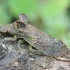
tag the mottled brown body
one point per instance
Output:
(35, 37)
(42, 41)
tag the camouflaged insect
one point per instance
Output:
(35, 37)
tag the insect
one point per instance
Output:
(35, 37)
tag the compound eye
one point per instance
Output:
(21, 25)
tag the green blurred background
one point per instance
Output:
(50, 16)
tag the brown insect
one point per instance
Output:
(35, 37)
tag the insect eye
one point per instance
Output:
(21, 25)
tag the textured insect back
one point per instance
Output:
(43, 42)
(40, 40)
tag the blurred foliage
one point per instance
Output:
(50, 16)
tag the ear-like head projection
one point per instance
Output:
(22, 21)
(23, 18)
